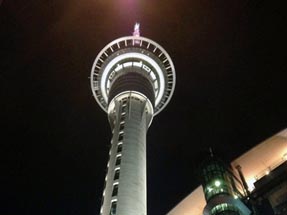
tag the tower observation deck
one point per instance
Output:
(132, 79)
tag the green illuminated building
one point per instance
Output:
(222, 190)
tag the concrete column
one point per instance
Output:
(130, 122)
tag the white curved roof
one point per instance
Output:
(255, 163)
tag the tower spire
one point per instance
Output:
(136, 30)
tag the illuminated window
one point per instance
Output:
(224, 209)
(209, 189)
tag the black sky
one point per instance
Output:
(230, 95)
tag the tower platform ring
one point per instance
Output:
(133, 51)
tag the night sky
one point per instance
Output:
(230, 95)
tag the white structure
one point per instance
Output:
(255, 163)
(132, 79)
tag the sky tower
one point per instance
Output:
(132, 79)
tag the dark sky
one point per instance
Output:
(230, 95)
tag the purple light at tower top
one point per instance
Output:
(136, 30)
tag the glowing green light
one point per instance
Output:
(217, 183)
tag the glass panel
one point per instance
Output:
(117, 174)
(113, 208)
(121, 137)
(118, 161)
(115, 190)
(122, 126)
(120, 147)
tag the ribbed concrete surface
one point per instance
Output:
(131, 197)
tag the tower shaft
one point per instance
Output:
(129, 114)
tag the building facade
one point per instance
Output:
(270, 192)
(261, 178)
(223, 191)
(132, 79)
